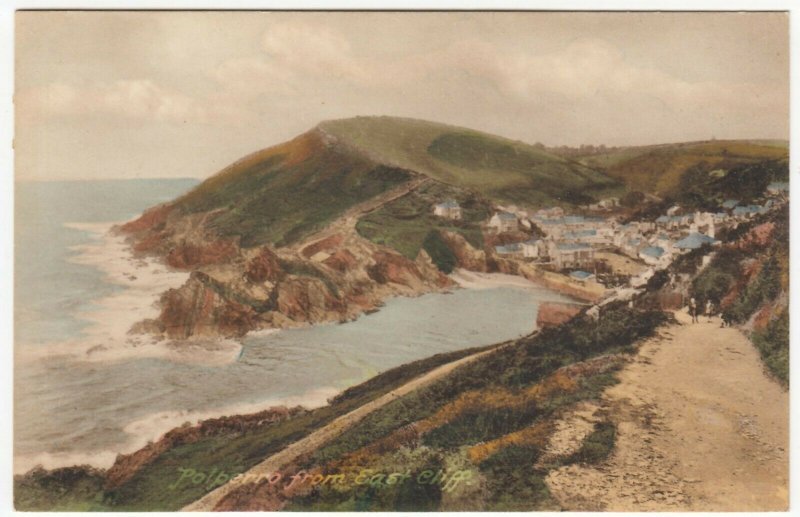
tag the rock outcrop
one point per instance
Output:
(233, 290)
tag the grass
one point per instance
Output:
(71, 489)
(279, 197)
(499, 168)
(659, 169)
(405, 223)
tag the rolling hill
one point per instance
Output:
(282, 194)
(659, 169)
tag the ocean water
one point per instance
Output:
(85, 390)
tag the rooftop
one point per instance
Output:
(508, 248)
(694, 241)
(581, 275)
(572, 246)
(450, 203)
(653, 251)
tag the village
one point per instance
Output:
(597, 255)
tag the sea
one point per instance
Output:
(85, 389)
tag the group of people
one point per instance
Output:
(694, 311)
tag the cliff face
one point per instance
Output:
(233, 290)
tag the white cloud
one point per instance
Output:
(135, 99)
(285, 72)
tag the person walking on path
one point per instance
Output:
(693, 309)
(709, 309)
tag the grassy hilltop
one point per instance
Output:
(283, 193)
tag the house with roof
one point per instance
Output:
(503, 222)
(581, 276)
(514, 250)
(570, 254)
(449, 209)
(654, 255)
(694, 241)
(532, 248)
(625, 233)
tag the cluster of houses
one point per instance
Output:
(572, 241)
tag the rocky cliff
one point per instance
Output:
(233, 290)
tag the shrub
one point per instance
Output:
(441, 254)
(766, 286)
(597, 445)
(773, 344)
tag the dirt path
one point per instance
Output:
(699, 427)
(346, 223)
(323, 435)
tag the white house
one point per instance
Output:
(570, 254)
(510, 250)
(503, 222)
(448, 209)
(531, 248)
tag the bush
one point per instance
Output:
(711, 284)
(441, 254)
(773, 344)
(766, 286)
(597, 446)
(513, 481)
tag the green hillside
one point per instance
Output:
(660, 169)
(498, 168)
(282, 194)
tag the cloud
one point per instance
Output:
(298, 63)
(133, 99)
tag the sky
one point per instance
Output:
(182, 94)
